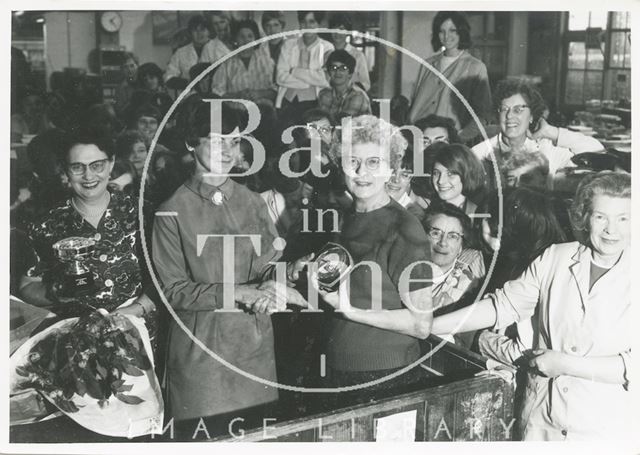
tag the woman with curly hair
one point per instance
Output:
(579, 296)
(451, 39)
(520, 109)
(379, 321)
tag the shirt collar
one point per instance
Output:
(529, 145)
(304, 46)
(206, 191)
(405, 200)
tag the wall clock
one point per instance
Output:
(111, 21)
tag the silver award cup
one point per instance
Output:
(73, 252)
(334, 262)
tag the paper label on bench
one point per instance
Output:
(400, 427)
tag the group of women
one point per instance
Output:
(417, 245)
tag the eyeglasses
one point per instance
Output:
(343, 68)
(80, 168)
(517, 109)
(324, 130)
(437, 234)
(372, 163)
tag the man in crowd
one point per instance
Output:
(300, 73)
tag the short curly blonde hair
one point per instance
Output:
(607, 183)
(369, 129)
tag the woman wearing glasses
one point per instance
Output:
(92, 212)
(399, 187)
(343, 97)
(378, 322)
(451, 246)
(520, 109)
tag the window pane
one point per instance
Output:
(617, 49)
(627, 50)
(593, 85)
(573, 87)
(598, 19)
(578, 20)
(595, 59)
(577, 55)
(620, 20)
(620, 81)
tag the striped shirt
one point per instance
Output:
(234, 76)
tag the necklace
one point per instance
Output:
(91, 212)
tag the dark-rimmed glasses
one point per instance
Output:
(96, 167)
(517, 109)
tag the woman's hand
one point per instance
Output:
(548, 363)
(135, 309)
(294, 268)
(545, 131)
(339, 299)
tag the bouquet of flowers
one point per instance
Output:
(96, 369)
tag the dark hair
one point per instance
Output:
(245, 23)
(529, 226)
(199, 124)
(450, 210)
(462, 26)
(606, 183)
(144, 110)
(199, 68)
(458, 159)
(269, 15)
(149, 69)
(318, 15)
(342, 56)
(129, 56)
(198, 21)
(99, 120)
(125, 142)
(437, 121)
(340, 18)
(508, 87)
(46, 151)
(407, 159)
(83, 136)
(314, 114)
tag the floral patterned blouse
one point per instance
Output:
(464, 278)
(114, 263)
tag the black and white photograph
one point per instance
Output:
(405, 225)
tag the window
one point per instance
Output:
(598, 57)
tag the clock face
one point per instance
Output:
(111, 21)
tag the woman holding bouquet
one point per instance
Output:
(107, 220)
(377, 324)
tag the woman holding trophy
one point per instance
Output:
(381, 314)
(86, 248)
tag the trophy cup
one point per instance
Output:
(334, 263)
(72, 252)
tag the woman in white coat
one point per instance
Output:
(580, 294)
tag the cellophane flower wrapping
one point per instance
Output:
(98, 370)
